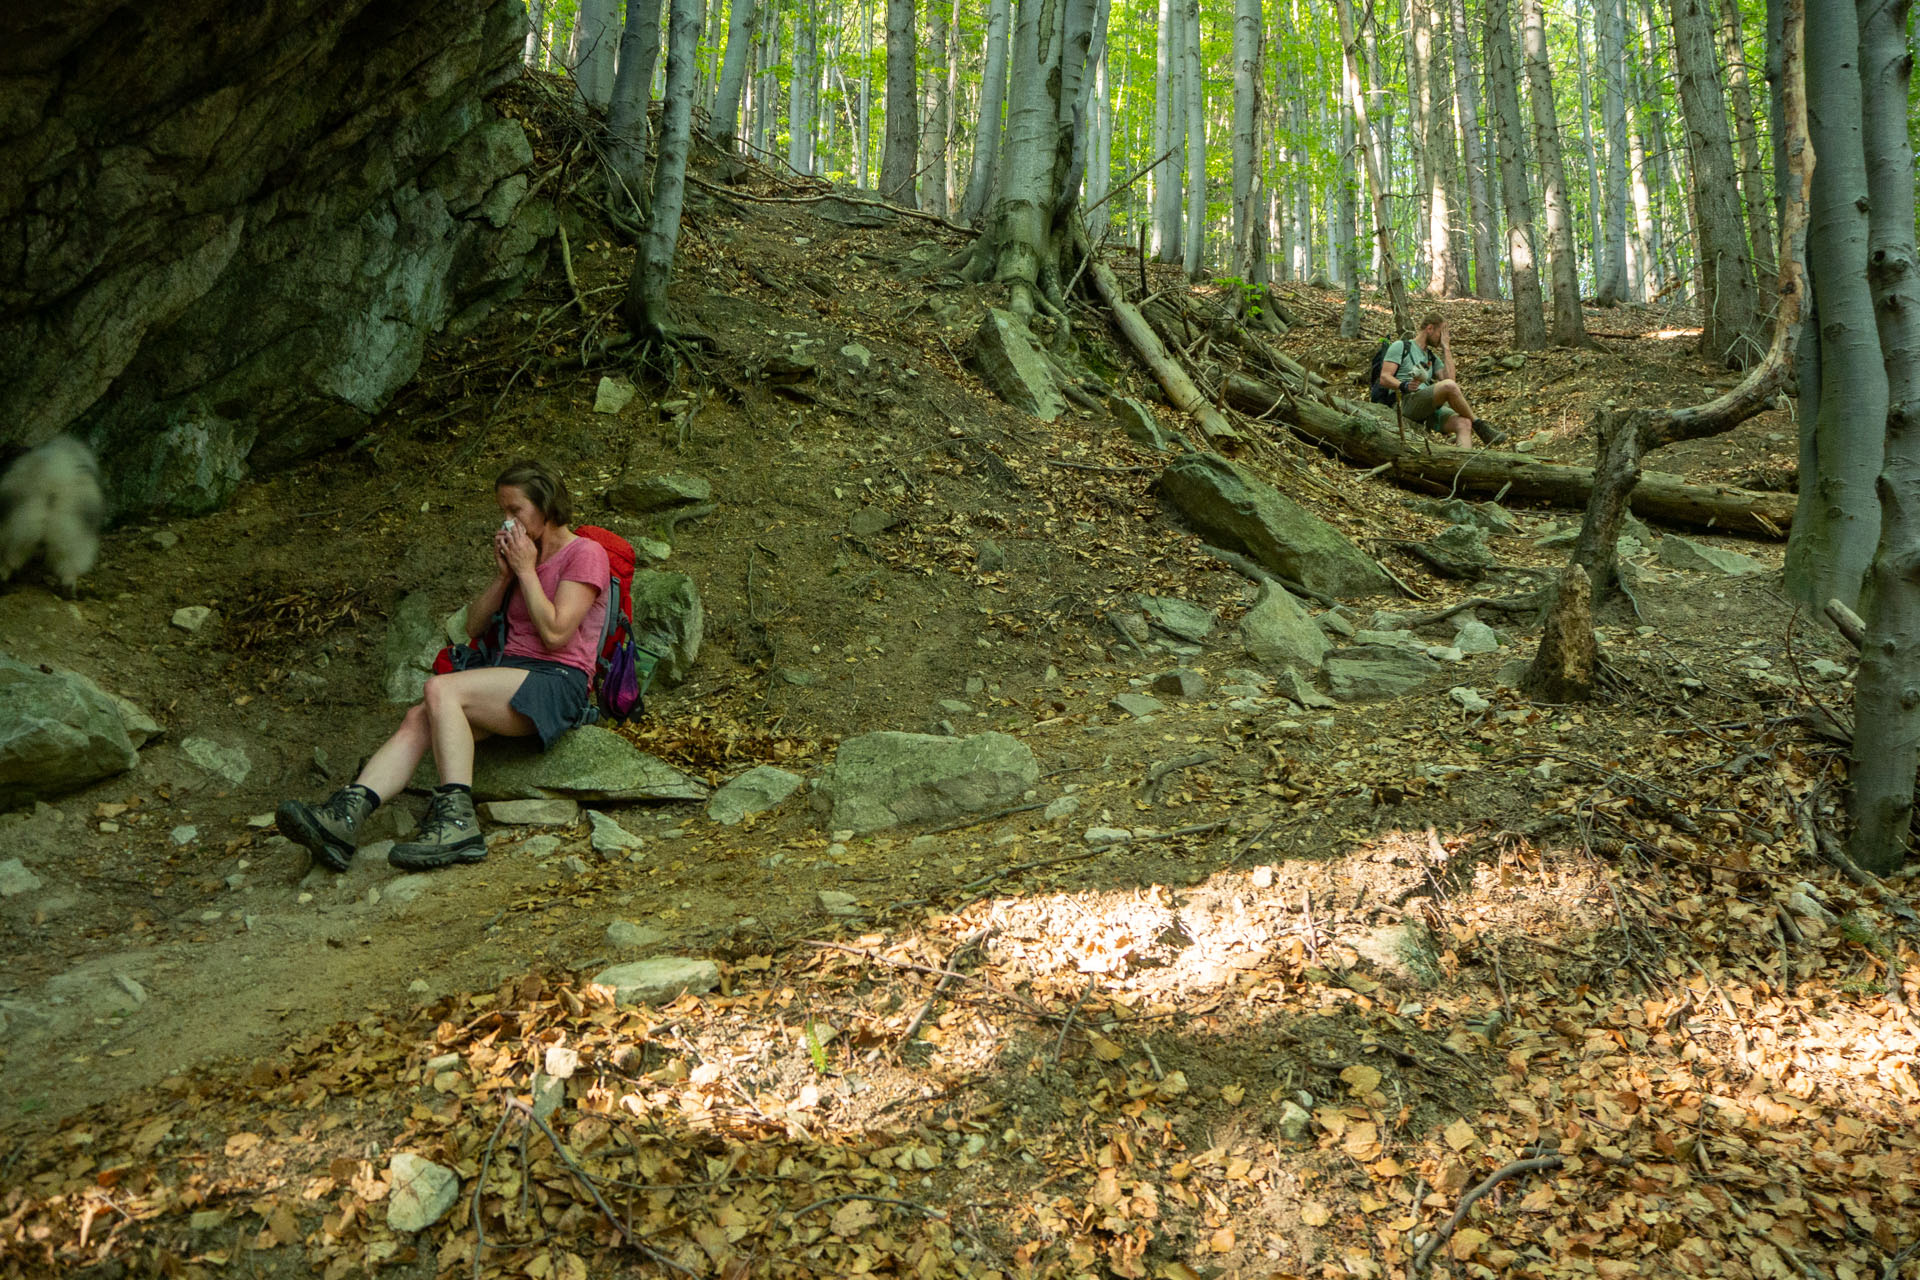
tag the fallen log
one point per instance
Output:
(1368, 439)
(1173, 379)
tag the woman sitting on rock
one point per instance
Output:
(553, 584)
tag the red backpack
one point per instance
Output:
(622, 667)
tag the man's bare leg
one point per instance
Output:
(1449, 394)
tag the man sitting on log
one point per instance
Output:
(1420, 369)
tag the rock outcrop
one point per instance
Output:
(229, 232)
(1230, 506)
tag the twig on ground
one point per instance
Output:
(940, 1214)
(1067, 1025)
(1514, 1170)
(913, 1027)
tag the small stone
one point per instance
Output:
(164, 540)
(540, 846)
(989, 557)
(613, 395)
(1137, 705)
(419, 987)
(1828, 670)
(868, 521)
(1469, 700)
(228, 763)
(858, 358)
(1181, 682)
(1677, 552)
(1444, 653)
(1177, 617)
(191, 618)
(549, 1093)
(1306, 695)
(835, 903)
(976, 685)
(533, 813)
(573, 864)
(403, 889)
(1335, 624)
(955, 707)
(660, 980)
(1263, 877)
(1099, 836)
(15, 879)
(609, 839)
(754, 792)
(1060, 808)
(186, 833)
(625, 935)
(1476, 637)
(422, 1192)
(1295, 1124)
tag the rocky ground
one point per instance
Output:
(1197, 929)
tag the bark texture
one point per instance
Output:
(1194, 240)
(1387, 266)
(1569, 326)
(1886, 735)
(627, 122)
(1486, 264)
(1529, 325)
(986, 134)
(1610, 36)
(733, 70)
(645, 305)
(900, 155)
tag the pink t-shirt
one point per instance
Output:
(582, 560)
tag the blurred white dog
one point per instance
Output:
(50, 504)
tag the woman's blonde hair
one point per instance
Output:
(543, 486)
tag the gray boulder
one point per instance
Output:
(1137, 705)
(658, 981)
(15, 879)
(1375, 672)
(1005, 354)
(1277, 632)
(1677, 552)
(648, 494)
(755, 791)
(1460, 551)
(58, 732)
(1142, 427)
(422, 1192)
(1177, 617)
(1476, 637)
(879, 780)
(589, 764)
(230, 764)
(609, 839)
(413, 637)
(1226, 503)
(667, 616)
(1490, 516)
(534, 813)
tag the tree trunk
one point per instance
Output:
(802, 88)
(1564, 667)
(1625, 437)
(1097, 111)
(1347, 233)
(1365, 436)
(766, 113)
(1731, 306)
(733, 71)
(536, 15)
(1437, 104)
(1886, 696)
(1595, 232)
(1486, 266)
(1613, 287)
(1246, 150)
(1753, 188)
(1194, 242)
(933, 137)
(986, 136)
(863, 169)
(627, 113)
(1837, 525)
(1302, 210)
(900, 154)
(1642, 271)
(1529, 326)
(1569, 326)
(645, 306)
(1388, 264)
(949, 138)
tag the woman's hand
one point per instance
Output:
(500, 564)
(517, 551)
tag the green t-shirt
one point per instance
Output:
(1409, 360)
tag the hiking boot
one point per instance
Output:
(450, 834)
(329, 830)
(1489, 434)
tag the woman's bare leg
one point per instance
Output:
(463, 707)
(388, 769)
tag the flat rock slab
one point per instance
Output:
(1476, 637)
(1237, 510)
(1677, 552)
(754, 792)
(590, 764)
(643, 495)
(15, 879)
(880, 780)
(1180, 683)
(659, 981)
(58, 732)
(625, 935)
(1376, 672)
(1481, 515)
(1177, 617)
(422, 1192)
(1137, 705)
(1141, 426)
(608, 838)
(534, 813)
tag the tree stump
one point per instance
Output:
(1565, 667)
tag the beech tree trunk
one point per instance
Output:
(733, 71)
(934, 142)
(1347, 235)
(1886, 697)
(1194, 240)
(627, 114)
(1612, 286)
(1168, 176)
(1097, 114)
(645, 305)
(1486, 265)
(1589, 153)
(900, 155)
(1643, 272)
(1731, 307)
(593, 40)
(536, 17)
(1753, 188)
(986, 135)
(1529, 326)
(1387, 265)
(1837, 525)
(1569, 326)
(1247, 212)
(803, 88)
(1449, 280)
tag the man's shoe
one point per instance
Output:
(329, 830)
(450, 834)
(1489, 434)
